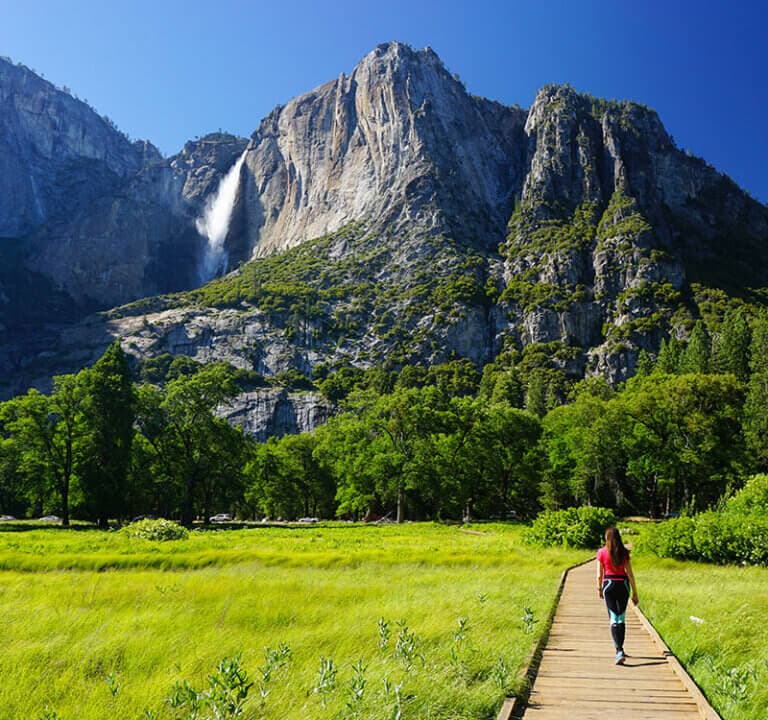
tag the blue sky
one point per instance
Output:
(169, 70)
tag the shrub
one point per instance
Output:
(159, 530)
(752, 499)
(715, 537)
(673, 539)
(574, 527)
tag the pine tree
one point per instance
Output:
(536, 394)
(695, 358)
(644, 364)
(668, 360)
(110, 413)
(756, 404)
(730, 347)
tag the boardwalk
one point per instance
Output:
(578, 680)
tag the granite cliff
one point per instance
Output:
(387, 217)
(89, 219)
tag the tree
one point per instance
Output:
(684, 443)
(508, 439)
(536, 393)
(344, 450)
(731, 345)
(13, 498)
(756, 404)
(644, 364)
(668, 360)
(501, 382)
(199, 453)
(695, 358)
(400, 423)
(382, 452)
(585, 462)
(44, 434)
(106, 452)
(287, 480)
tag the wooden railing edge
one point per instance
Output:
(513, 707)
(706, 711)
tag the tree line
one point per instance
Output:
(444, 442)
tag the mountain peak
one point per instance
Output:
(404, 52)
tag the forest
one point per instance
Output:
(448, 442)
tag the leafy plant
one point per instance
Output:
(384, 634)
(326, 680)
(406, 645)
(225, 696)
(275, 660)
(574, 527)
(112, 684)
(356, 688)
(158, 530)
(528, 620)
(501, 672)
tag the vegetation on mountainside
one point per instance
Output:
(350, 285)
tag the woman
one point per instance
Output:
(614, 579)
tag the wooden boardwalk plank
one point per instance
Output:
(577, 678)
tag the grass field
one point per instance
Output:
(429, 621)
(714, 620)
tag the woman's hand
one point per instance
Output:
(635, 599)
(600, 593)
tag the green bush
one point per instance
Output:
(159, 530)
(752, 499)
(673, 539)
(581, 527)
(736, 534)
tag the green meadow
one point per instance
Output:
(713, 619)
(337, 621)
(414, 621)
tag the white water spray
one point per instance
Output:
(213, 224)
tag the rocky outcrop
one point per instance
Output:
(273, 413)
(89, 219)
(612, 230)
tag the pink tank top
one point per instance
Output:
(604, 557)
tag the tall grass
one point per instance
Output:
(98, 625)
(714, 620)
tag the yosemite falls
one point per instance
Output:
(213, 224)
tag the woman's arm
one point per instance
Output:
(631, 576)
(599, 579)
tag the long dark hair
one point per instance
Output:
(616, 548)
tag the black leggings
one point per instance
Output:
(616, 595)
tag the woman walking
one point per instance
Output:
(614, 580)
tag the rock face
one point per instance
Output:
(273, 413)
(615, 230)
(399, 142)
(89, 219)
(575, 232)
(56, 154)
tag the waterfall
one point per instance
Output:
(213, 224)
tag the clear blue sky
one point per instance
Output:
(169, 70)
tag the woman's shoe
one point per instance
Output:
(620, 658)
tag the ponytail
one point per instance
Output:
(616, 549)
